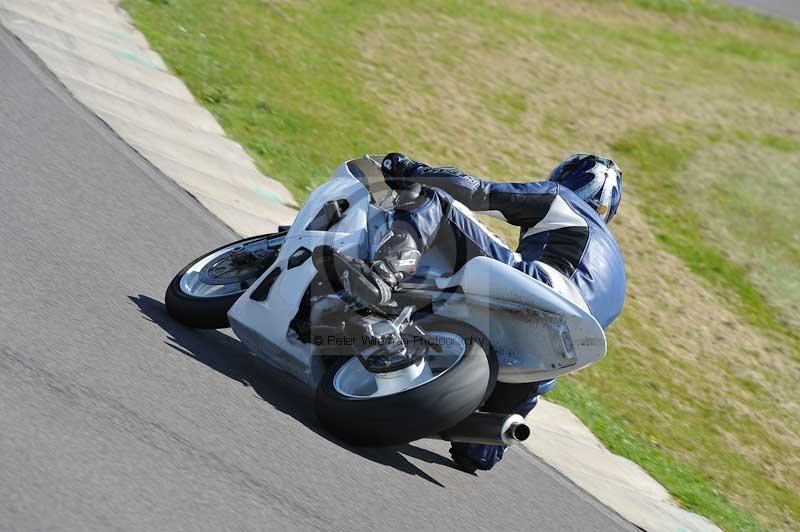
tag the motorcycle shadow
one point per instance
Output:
(227, 355)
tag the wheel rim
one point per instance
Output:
(353, 380)
(218, 274)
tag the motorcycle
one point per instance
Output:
(459, 325)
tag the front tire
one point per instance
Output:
(421, 411)
(209, 311)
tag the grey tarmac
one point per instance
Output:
(789, 9)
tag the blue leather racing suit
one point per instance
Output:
(563, 243)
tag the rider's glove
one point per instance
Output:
(401, 173)
(396, 167)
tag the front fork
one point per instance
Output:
(385, 349)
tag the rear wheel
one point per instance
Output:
(422, 400)
(203, 292)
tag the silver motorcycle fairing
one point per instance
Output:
(263, 326)
(536, 332)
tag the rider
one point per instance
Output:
(564, 242)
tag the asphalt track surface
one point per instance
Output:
(114, 417)
(789, 9)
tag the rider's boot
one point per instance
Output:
(474, 456)
(396, 258)
(371, 283)
(352, 275)
(471, 457)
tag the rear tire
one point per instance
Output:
(419, 412)
(203, 312)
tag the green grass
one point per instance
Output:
(780, 143)
(661, 165)
(697, 101)
(687, 484)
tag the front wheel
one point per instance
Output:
(423, 400)
(201, 295)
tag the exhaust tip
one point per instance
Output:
(521, 432)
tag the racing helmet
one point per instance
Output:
(596, 180)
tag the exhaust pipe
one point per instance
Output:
(490, 429)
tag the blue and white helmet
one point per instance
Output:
(596, 180)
